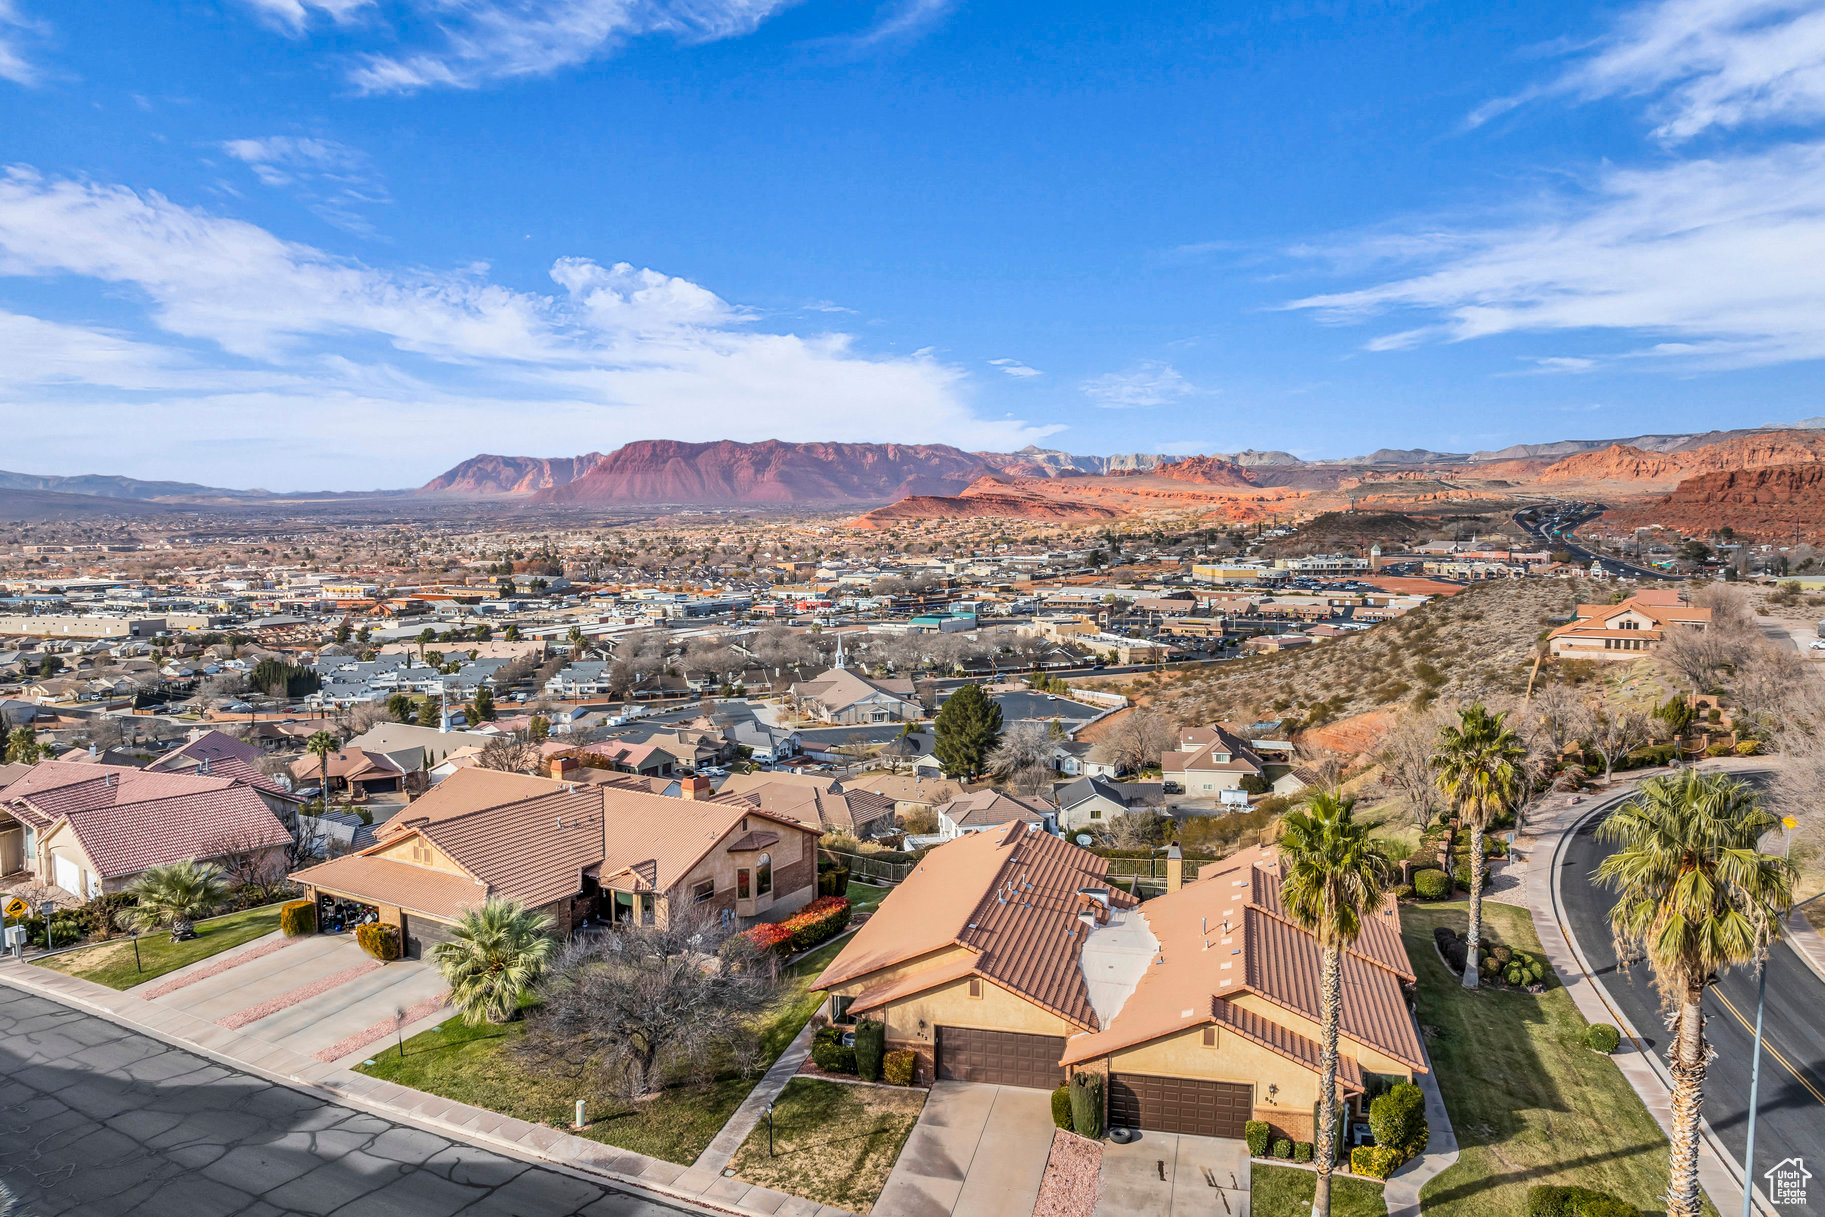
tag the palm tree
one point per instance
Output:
(1695, 895)
(1330, 880)
(175, 895)
(320, 745)
(494, 955)
(1478, 767)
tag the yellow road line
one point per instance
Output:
(1767, 1047)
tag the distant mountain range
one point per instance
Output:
(107, 486)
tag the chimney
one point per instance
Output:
(1175, 868)
(695, 788)
(560, 766)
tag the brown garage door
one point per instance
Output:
(422, 934)
(1204, 1109)
(1004, 1058)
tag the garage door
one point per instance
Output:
(1184, 1105)
(422, 934)
(1005, 1058)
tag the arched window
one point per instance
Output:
(763, 876)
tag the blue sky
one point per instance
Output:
(345, 243)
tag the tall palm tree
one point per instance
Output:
(320, 745)
(1478, 767)
(1330, 880)
(175, 895)
(1695, 895)
(494, 955)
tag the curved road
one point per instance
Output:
(1792, 1120)
(97, 1120)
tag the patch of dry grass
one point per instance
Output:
(833, 1142)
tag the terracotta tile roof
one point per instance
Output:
(1380, 942)
(533, 850)
(350, 764)
(1283, 967)
(956, 968)
(418, 889)
(469, 790)
(127, 826)
(212, 746)
(1008, 895)
(655, 841)
(1289, 1044)
(819, 807)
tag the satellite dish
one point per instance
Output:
(1084, 839)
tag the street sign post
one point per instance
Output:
(17, 907)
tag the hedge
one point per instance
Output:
(1061, 1107)
(378, 939)
(1283, 1147)
(1558, 1200)
(1257, 1133)
(1087, 1104)
(870, 1047)
(1432, 884)
(829, 1052)
(1601, 1037)
(1302, 1151)
(298, 918)
(769, 936)
(1398, 1120)
(1375, 1161)
(823, 918)
(897, 1067)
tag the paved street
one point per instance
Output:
(101, 1121)
(1792, 1120)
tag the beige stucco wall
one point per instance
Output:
(997, 1009)
(401, 851)
(1231, 1059)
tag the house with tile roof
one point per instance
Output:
(583, 853)
(1007, 957)
(94, 828)
(842, 696)
(817, 800)
(1626, 631)
(982, 810)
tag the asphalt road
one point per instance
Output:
(1563, 539)
(100, 1121)
(1792, 1099)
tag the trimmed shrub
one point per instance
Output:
(378, 939)
(1432, 884)
(870, 1047)
(833, 881)
(818, 921)
(1087, 1104)
(1403, 891)
(1748, 747)
(769, 937)
(1061, 1107)
(1524, 969)
(897, 1067)
(829, 1052)
(1256, 1133)
(1601, 1037)
(298, 918)
(1398, 1120)
(1283, 1147)
(1375, 1161)
(1558, 1200)
(1453, 946)
(1302, 1151)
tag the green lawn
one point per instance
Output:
(1282, 1191)
(832, 1142)
(112, 963)
(474, 1065)
(1530, 1103)
(865, 897)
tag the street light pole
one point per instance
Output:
(769, 1129)
(1755, 1057)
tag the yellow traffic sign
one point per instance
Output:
(17, 907)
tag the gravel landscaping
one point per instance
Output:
(1072, 1172)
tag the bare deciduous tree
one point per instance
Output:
(1135, 740)
(1613, 732)
(509, 754)
(1137, 829)
(642, 1005)
(1406, 762)
(1023, 745)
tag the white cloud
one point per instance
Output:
(1150, 383)
(294, 15)
(13, 63)
(481, 41)
(274, 332)
(1013, 367)
(904, 19)
(334, 180)
(1717, 260)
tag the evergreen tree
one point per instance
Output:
(400, 706)
(967, 727)
(430, 712)
(482, 710)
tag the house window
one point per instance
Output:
(975, 986)
(763, 876)
(743, 888)
(839, 1007)
(1210, 1037)
(1096, 813)
(703, 890)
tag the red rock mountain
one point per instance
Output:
(772, 472)
(487, 476)
(1772, 503)
(1622, 463)
(1204, 470)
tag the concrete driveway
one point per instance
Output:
(332, 1011)
(977, 1151)
(1164, 1174)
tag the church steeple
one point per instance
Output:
(841, 665)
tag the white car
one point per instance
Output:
(1819, 645)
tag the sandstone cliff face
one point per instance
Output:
(772, 472)
(1622, 463)
(1776, 502)
(488, 476)
(1205, 471)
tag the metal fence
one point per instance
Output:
(870, 870)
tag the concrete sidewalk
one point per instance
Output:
(528, 1142)
(1549, 826)
(747, 1117)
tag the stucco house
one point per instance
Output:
(1209, 760)
(1626, 631)
(988, 808)
(842, 696)
(1006, 957)
(1089, 802)
(581, 853)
